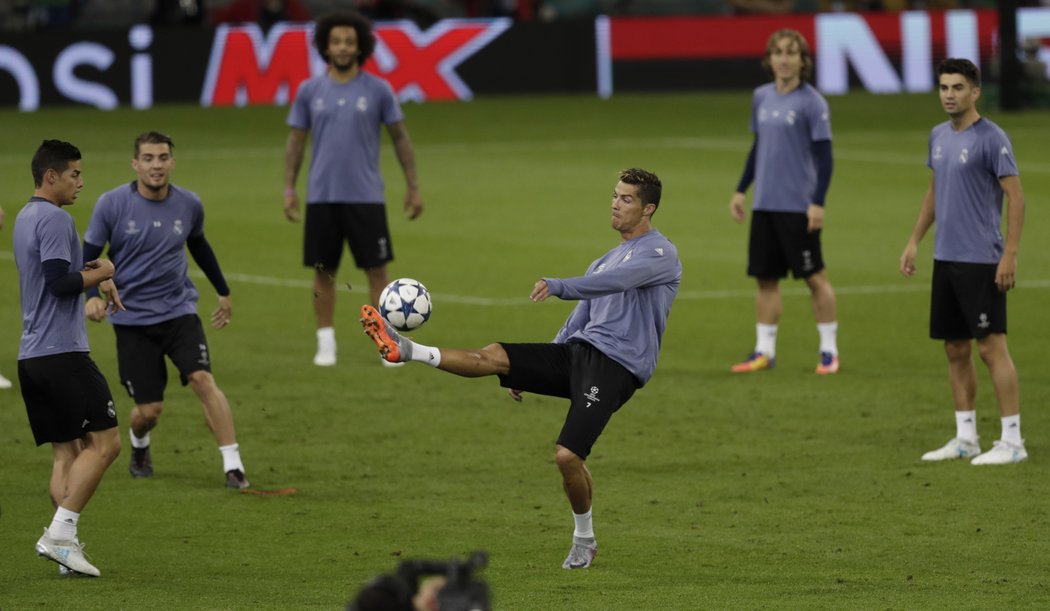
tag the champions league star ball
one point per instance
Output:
(405, 304)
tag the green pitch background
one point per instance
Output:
(778, 490)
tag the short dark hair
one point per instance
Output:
(803, 50)
(52, 155)
(366, 43)
(649, 187)
(153, 138)
(957, 65)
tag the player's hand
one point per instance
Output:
(413, 204)
(95, 309)
(736, 207)
(291, 206)
(540, 291)
(103, 265)
(109, 289)
(907, 265)
(221, 316)
(1006, 273)
(815, 218)
(514, 394)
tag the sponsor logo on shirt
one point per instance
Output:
(1005, 151)
(659, 251)
(937, 152)
(132, 228)
(318, 105)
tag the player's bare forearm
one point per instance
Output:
(294, 149)
(1014, 213)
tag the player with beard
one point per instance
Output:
(149, 224)
(342, 112)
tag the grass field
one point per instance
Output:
(778, 490)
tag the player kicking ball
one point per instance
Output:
(626, 293)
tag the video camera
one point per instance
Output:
(461, 592)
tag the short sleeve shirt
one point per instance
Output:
(50, 324)
(147, 244)
(344, 121)
(786, 127)
(968, 198)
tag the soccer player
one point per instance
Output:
(973, 265)
(790, 163)
(67, 399)
(606, 349)
(342, 112)
(149, 224)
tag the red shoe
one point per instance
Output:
(384, 336)
(756, 361)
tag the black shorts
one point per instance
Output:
(66, 396)
(362, 226)
(141, 350)
(965, 303)
(595, 385)
(779, 241)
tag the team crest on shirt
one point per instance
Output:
(177, 227)
(964, 155)
(790, 118)
(937, 152)
(133, 228)
(362, 103)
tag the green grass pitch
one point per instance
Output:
(778, 490)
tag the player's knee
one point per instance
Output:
(201, 381)
(957, 350)
(107, 444)
(991, 349)
(150, 412)
(495, 356)
(566, 459)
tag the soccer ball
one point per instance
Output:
(405, 304)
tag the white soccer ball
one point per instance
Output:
(405, 304)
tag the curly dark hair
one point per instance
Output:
(803, 50)
(648, 184)
(366, 42)
(965, 67)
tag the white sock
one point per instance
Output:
(828, 333)
(1012, 429)
(584, 528)
(138, 442)
(64, 525)
(231, 458)
(766, 339)
(326, 338)
(425, 354)
(966, 425)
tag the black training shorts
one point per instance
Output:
(141, 350)
(595, 385)
(780, 241)
(362, 226)
(66, 396)
(965, 303)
